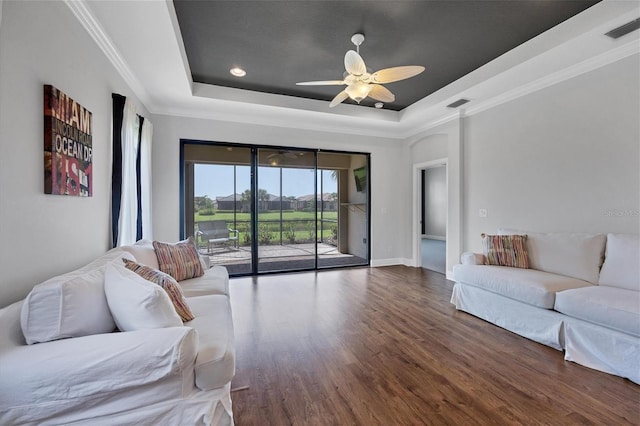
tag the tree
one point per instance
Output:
(246, 200)
(333, 197)
(202, 203)
(263, 196)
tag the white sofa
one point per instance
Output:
(581, 294)
(175, 375)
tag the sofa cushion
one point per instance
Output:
(180, 260)
(214, 281)
(168, 284)
(215, 364)
(574, 255)
(622, 262)
(144, 253)
(610, 307)
(135, 303)
(70, 305)
(537, 288)
(506, 250)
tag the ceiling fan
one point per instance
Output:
(278, 157)
(360, 83)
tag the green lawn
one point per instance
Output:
(302, 222)
(271, 215)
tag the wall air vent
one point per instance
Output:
(458, 103)
(624, 29)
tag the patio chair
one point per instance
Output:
(216, 232)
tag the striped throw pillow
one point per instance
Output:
(180, 260)
(169, 285)
(506, 250)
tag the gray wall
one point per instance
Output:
(435, 197)
(565, 158)
(388, 192)
(45, 235)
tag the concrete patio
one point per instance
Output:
(287, 256)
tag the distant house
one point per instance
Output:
(272, 202)
(275, 203)
(232, 202)
(329, 202)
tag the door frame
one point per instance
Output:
(417, 205)
(254, 183)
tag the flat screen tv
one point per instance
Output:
(360, 176)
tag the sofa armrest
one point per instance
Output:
(71, 369)
(470, 258)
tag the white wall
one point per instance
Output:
(430, 148)
(389, 189)
(44, 235)
(565, 158)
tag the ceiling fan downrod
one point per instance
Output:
(357, 39)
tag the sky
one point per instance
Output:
(217, 180)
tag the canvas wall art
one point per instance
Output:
(68, 148)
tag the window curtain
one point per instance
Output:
(145, 228)
(131, 174)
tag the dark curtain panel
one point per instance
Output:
(139, 180)
(116, 167)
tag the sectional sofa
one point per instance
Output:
(581, 294)
(79, 369)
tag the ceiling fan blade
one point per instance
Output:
(354, 64)
(389, 75)
(321, 83)
(339, 98)
(381, 93)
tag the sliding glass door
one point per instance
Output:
(218, 204)
(286, 210)
(260, 209)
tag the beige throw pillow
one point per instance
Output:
(169, 285)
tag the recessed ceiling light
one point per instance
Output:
(378, 105)
(238, 72)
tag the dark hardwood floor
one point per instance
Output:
(383, 346)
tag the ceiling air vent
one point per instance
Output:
(458, 103)
(624, 29)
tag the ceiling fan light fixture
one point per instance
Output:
(358, 91)
(361, 83)
(237, 72)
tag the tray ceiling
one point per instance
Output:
(280, 43)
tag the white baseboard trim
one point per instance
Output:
(390, 262)
(433, 237)
(449, 275)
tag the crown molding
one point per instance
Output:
(83, 14)
(311, 122)
(628, 49)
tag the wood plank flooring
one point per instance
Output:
(383, 346)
